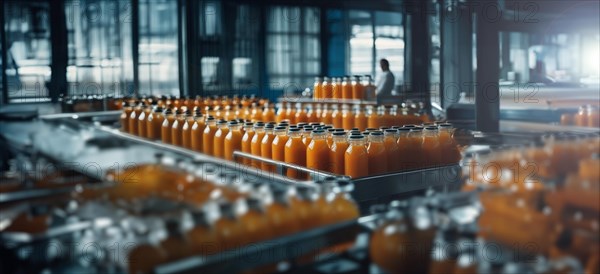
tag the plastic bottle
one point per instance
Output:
(356, 160)
(219, 139)
(208, 137)
(378, 159)
(317, 152)
(233, 140)
(247, 141)
(295, 153)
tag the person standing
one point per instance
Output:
(385, 81)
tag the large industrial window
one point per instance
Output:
(293, 47)
(373, 36)
(99, 47)
(158, 51)
(28, 50)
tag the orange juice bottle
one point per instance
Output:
(295, 153)
(208, 136)
(341, 206)
(318, 88)
(412, 145)
(306, 134)
(280, 214)
(197, 131)
(336, 117)
(233, 140)
(144, 257)
(254, 221)
(154, 123)
(202, 237)
(431, 146)
(141, 122)
(281, 113)
(186, 130)
(227, 226)
(176, 128)
(166, 126)
(360, 118)
(581, 117)
(290, 113)
(219, 139)
(390, 140)
(593, 116)
(318, 112)
(247, 140)
(175, 245)
(378, 159)
(268, 114)
(337, 88)
(369, 88)
(327, 91)
(265, 147)
(133, 122)
(450, 152)
(346, 88)
(259, 134)
(326, 115)
(373, 117)
(329, 135)
(311, 115)
(278, 145)
(356, 159)
(124, 119)
(304, 208)
(317, 152)
(347, 117)
(337, 152)
(387, 117)
(301, 115)
(358, 90)
(256, 113)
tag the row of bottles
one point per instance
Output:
(586, 116)
(355, 87)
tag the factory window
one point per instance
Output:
(246, 50)
(373, 36)
(99, 47)
(28, 48)
(158, 51)
(293, 47)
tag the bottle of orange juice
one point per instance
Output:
(450, 152)
(219, 139)
(133, 121)
(154, 123)
(580, 118)
(265, 147)
(124, 119)
(329, 135)
(301, 115)
(281, 113)
(280, 214)
(175, 245)
(233, 140)
(336, 117)
(358, 90)
(311, 115)
(278, 145)
(176, 127)
(141, 122)
(247, 140)
(369, 88)
(197, 130)
(202, 237)
(415, 148)
(254, 221)
(431, 146)
(378, 159)
(306, 134)
(259, 134)
(317, 152)
(337, 152)
(341, 205)
(327, 91)
(268, 114)
(166, 126)
(360, 118)
(304, 208)
(256, 113)
(387, 119)
(227, 226)
(290, 113)
(295, 153)
(326, 115)
(356, 159)
(346, 88)
(347, 117)
(208, 136)
(318, 88)
(186, 130)
(390, 140)
(337, 88)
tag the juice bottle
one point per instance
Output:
(144, 257)
(318, 112)
(186, 130)
(371, 116)
(247, 141)
(202, 237)
(227, 226)
(311, 115)
(141, 122)
(326, 116)
(356, 159)
(259, 134)
(336, 88)
(175, 245)
(336, 117)
(360, 118)
(358, 92)
(369, 88)
(341, 206)
(295, 153)
(280, 214)
(154, 123)
(567, 119)
(255, 113)
(281, 113)
(133, 127)
(278, 145)
(378, 161)
(387, 119)
(327, 91)
(450, 152)
(410, 146)
(318, 88)
(303, 206)
(290, 113)
(337, 152)
(431, 146)
(124, 119)
(593, 117)
(306, 134)
(346, 88)
(219, 139)
(329, 135)
(268, 114)
(254, 222)
(581, 117)
(390, 140)
(233, 140)
(168, 121)
(347, 118)
(301, 115)
(228, 114)
(197, 131)
(317, 152)
(265, 147)
(176, 128)
(208, 136)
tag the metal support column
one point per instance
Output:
(135, 40)
(420, 44)
(4, 54)
(324, 36)
(487, 95)
(58, 42)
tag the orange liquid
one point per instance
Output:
(336, 156)
(301, 116)
(186, 132)
(176, 131)
(176, 247)
(317, 155)
(373, 120)
(197, 134)
(410, 146)
(208, 138)
(358, 91)
(282, 220)
(326, 117)
(255, 147)
(337, 119)
(281, 114)
(317, 91)
(230, 232)
(360, 120)
(125, 119)
(142, 125)
(290, 114)
(143, 258)
(278, 147)
(166, 129)
(233, 142)
(336, 90)
(356, 161)
(450, 152)
(431, 148)
(347, 120)
(268, 115)
(295, 153)
(219, 142)
(392, 151)
(266, 152)
(153, 128)
(247, 144)
(327, 90)
(256, 227)
(346, 90)
(304, 211)
(133, 128)
(377, 158)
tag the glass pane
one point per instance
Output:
(361, 43)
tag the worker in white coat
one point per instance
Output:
(385, 81)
